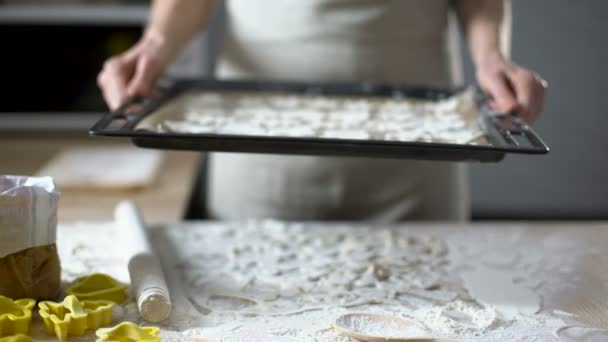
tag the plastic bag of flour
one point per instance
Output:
(29, 264)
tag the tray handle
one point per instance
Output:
(508, 128)
(125, 117)
(514, 131)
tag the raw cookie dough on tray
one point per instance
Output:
(449, 120)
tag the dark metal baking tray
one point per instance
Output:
(505, 133)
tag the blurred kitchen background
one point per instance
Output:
(52, 51)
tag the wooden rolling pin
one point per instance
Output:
(147, 278)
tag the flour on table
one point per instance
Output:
(449, 120)
(276, 281)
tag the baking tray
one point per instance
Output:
(505, 133)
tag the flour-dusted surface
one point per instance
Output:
(449, 120)
(272, 281)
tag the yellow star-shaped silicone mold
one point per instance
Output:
(15, 316)
(17, 338)
(98, 286)
(127, 331)
(73, 317)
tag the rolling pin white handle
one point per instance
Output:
(150, 287)
(147, 277)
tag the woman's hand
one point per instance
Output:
(135, 71)
(512, 88)
(172, 24)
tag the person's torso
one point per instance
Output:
(328, 40)
(337, 40)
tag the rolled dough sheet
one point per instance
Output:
(496, 288)
(117, 168)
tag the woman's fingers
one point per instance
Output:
(496, 84)
(132, 73)
(513, 89)
(541, 93)
(524, 87)
(538, 97)
(530, 92)
(113, 80)
(147, 71)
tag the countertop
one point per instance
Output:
(539, 281)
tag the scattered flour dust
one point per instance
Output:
(276, 281)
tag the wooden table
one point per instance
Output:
(564, 263)
(164, 202)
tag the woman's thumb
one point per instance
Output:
(147, 71)
(503, 98)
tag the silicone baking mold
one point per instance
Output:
(73, 317)
(17, 338)
(98, 286)
(15, 316)
(128, 331)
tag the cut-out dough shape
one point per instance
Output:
(98, 286)
(17, 338)
(127, 331)
(229, 302)
(15, 316)
(73, 317)
(373, 327)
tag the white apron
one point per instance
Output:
(336, 40)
